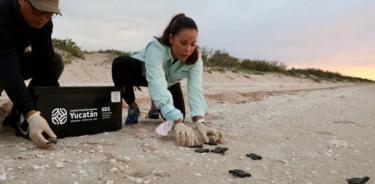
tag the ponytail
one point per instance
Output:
(178, 23)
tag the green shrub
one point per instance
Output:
(69, 46)
(115, 52)
(222, 59)
(261, 65)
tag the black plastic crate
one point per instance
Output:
(74, 111)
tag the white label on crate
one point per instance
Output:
(106, 112)
(59, 116)
(83, 115)
(115, 96)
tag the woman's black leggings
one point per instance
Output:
(127, 73)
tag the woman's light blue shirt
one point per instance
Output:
(162, 73)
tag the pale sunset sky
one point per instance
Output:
(334, 35)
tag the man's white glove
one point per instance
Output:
(209, 133)
(37, 126)
(185, 135)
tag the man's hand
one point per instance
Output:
(209, 133)
(185, 135)
(37, 126)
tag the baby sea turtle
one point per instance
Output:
(202, 150)
(254, 156)
(239, 173)
(219, 149)
(52, 141)
(358, 180)
(212, 142)
(197, 146)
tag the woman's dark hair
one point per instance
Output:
(178, 23)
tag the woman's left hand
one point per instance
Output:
(209, 133)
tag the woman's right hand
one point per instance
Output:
(185, 135)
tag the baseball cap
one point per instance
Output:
(46, 5)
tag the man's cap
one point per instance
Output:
(46, 5)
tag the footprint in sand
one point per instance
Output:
(325, 133)
(345, 122)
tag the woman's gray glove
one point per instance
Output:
(185, 135)
(209, 133)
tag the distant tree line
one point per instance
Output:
(221, 61)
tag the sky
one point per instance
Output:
(334, 35)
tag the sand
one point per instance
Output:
(306, 132)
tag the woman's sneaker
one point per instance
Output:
(153, 114)
(133, 115)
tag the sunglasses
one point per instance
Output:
(39, 13)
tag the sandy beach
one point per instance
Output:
(308, 132)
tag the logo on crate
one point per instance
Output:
(59, 116)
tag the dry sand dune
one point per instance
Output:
(307, 132)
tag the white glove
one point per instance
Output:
(209, 133)
(185, 135)
(37, 126)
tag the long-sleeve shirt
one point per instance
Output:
(15, 36)
(162, 72)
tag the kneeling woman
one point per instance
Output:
(161, 66)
